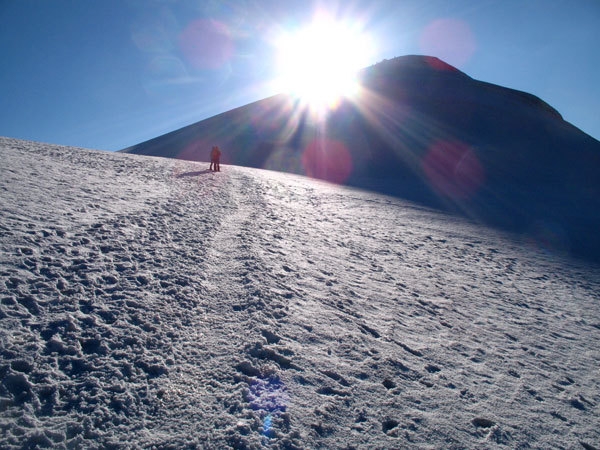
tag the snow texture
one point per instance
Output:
(426, 132)
(151, 303)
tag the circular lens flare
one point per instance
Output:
(207, 44)
(327, 160)
(450, 40)
(453, 170)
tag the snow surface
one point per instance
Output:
(150, 303)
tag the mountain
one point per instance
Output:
(148, 303)
(425, 131)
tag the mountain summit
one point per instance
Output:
(423, 130)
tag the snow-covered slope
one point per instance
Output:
(428, 133)
(150, 303)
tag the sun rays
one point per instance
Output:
(318, 63)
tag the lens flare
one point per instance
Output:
(207, 44)
(449, 39)
(327, 160)
(267, 425)
(269, 396)
(549, 236)
(453, 170)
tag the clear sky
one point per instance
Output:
(108, 74)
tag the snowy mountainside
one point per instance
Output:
(150, 303)
(424, 131)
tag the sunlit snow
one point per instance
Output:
(151, 303)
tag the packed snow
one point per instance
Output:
(152, 303)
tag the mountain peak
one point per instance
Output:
(413, 63)
(418, 76)
(414, 76)
(422, 130)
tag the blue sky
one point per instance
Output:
(109, 74)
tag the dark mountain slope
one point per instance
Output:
(426, 131)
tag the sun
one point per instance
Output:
(319, 63)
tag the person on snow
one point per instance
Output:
(215, 156)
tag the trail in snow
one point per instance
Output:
(148, 302)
